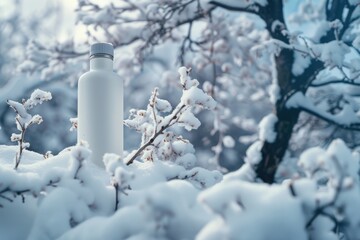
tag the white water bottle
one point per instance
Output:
(100, 105)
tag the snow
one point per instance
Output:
(301, 62)
(73, 199)
(346, 116)
(74, 123)
(267, 128)
(305, 190)
(243, 206)
(20, 109)
(121, 225)
(17, 218)
(332, 53)
(297, 99)
(356, 42)
(196, 97)
(323, 227)
(187, 161)
(274, 92)
(188, 120)
(166, 193)
(181, 147)
(37, 97)
(244, 173)
(78, 194)
(339, 166)
(253, 153)
(51, 222)
(228, 141)
(163, 105)
(313, 161)
(321, 31)
(348, 161)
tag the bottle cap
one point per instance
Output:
(102, 50)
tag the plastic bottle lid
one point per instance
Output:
(102, 50)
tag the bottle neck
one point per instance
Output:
(101, 63)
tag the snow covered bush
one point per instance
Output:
(255, 56)
(81, 191)
(320, 202)
(68, 197)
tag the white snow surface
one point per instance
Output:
(67, 192)
(245, 205)
(67, 197)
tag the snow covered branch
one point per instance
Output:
(24, 120)
(242, 6)
(346, 118)
(335, 81)
(153, 125)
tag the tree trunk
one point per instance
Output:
(273, 152)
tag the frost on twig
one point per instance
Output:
(120, 176)
(158, 142)
(24, 119)
(74, 124)
(78, 155)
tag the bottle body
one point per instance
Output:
(100, 110)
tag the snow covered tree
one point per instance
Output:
(241, 47)
(236, 49)
(301, 63)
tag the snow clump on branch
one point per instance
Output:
(158, 141)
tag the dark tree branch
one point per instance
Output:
(249, 9)
(116, 187)
(335, 81)
(347, 21)
(353, 126)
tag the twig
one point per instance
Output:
(21, 141)
(153, 108)
(248, 9)
(156, 134)
(6, 198)
(321, 209)
(116, 187)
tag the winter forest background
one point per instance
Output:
(243, 120)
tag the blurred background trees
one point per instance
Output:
(230, 47)
(21, 25)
